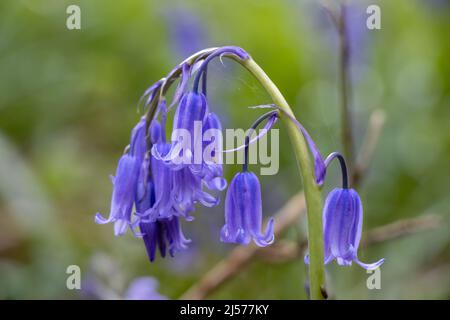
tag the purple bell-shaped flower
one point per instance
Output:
(342, 220)
(243, 212)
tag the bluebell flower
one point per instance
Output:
(189, 118)
(188, 190)
(145, 191)
(138, 143)
(183, 186)
(151, 93)
(151, 179)
(177, 188)
(243, 212)
(126, 180)
(163, 176)
(342, 220)
(211, 169)
(163, 235)
(123, 197)
(243, 204)
(186, 69)
(189, 115)
(179, 184)
(177, 191)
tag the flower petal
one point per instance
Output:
(370, 266)
(182, 85)
(268, 238)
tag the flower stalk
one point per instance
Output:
(312, 190)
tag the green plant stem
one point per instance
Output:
(312, 191)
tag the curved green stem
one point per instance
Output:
(312, 190)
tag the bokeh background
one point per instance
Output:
(68, 100)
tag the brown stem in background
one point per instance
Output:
(331, 8)
(337, 14)
(376, 124)
(345, 89)
(401, 228)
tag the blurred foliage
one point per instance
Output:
(68, 100)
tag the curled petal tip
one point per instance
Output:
(319, 170)
(370, 266)
(219, 183)
(99, 219)
(224, 234)
(207, 200)
(268, 238)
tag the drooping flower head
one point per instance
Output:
(342, 222)
(342, 213)
(138, 143)
(211, 169)
(186, 149)
(193, 107)
(126, 180)
(243, 212)
(124, 187)
(243, 203)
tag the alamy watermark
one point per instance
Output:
(373, 21)
(73, 281)
(73, 21)
(373, 282)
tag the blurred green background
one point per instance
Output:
(68, 101)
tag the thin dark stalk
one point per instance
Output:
(204, 78)
(249, 133)
(337, 155)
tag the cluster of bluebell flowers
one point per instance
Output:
(159, 181)
(153, 189)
